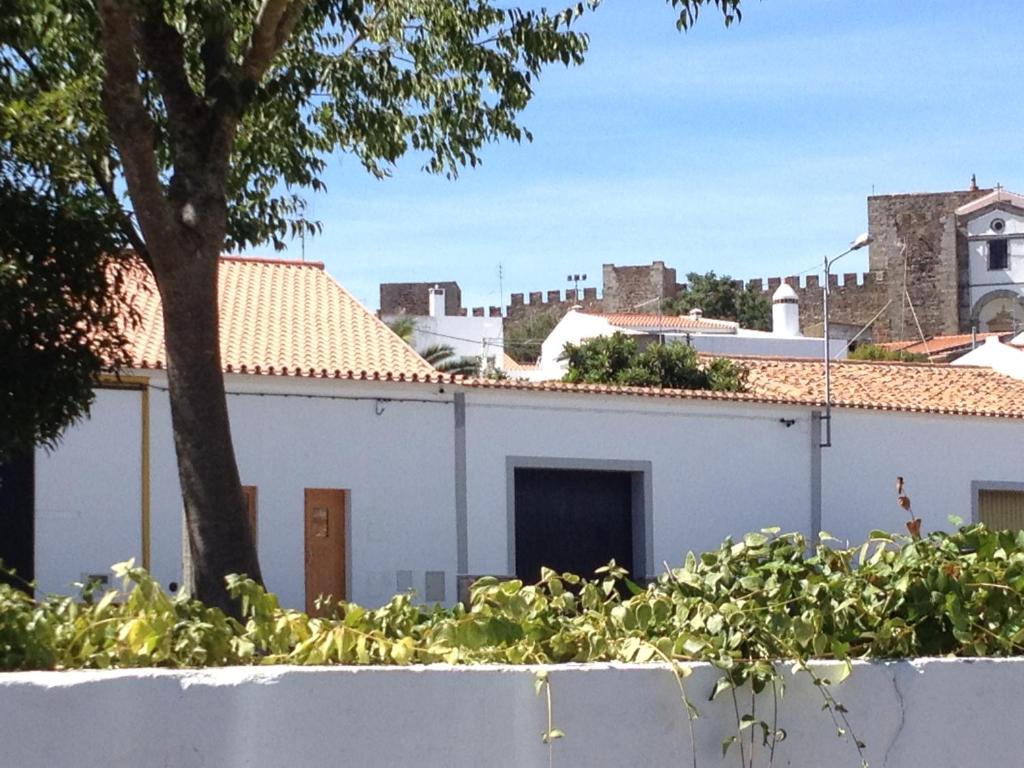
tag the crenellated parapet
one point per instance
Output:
(556, 302)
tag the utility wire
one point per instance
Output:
(866, 326)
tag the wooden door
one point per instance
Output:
(325, 544)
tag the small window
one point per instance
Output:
(997, 254)
(1001, 510)
(998, 225)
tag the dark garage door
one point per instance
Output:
(572, 520)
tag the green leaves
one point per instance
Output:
(722, 298)
(61, 306)
(616, 359)
(739, 607)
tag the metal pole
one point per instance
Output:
(828, 370)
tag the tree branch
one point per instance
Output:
(274, 23)
(99, 174)
(163, 51)
(124, 221)
(130, 125)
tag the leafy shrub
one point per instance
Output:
(749, 602)
(617, 359)
(878, 352)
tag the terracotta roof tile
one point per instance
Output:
(938, 345)
(995, 197)
(508, 363)
(914, 387)
(285, 318)
(652, 322)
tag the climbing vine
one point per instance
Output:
(745, 608)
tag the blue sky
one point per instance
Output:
(747, 150)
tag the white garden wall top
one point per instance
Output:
(927, 712)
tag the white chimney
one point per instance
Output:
(696, 313)
(785, 311)
(436, 301)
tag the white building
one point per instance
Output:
(994, 227)
(721, 338)
(435, 478)
(468, 336)
(1007, 359)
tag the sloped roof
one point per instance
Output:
(283, 318)
(1004, 358)
(995, 197)
(939, 348)
(636, 320)
(913, 387)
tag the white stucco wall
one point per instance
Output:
(89, 494)
(468, 336)
(717, 469)
(983, 280)
(938, 457)
(764, 344)
(936, 713)
(289, 435)
(573, 328)
(396, 464)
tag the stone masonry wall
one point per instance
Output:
(854, 299)
(551, 303)
(413, 298)
(915, 277)
(637, 289)
(918, 246)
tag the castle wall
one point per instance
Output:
(854, 299)
(551, 303)
(917, 244)
(917, 277)
(412, 298)
(637, 289)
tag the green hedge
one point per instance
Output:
(760, 599)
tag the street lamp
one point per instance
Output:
(856, 245)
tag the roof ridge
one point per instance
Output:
(841, 361)
(281, 262)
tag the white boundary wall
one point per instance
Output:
(927, 712)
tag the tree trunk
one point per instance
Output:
(219, 534)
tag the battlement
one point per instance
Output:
(800, 283)
(548, 298)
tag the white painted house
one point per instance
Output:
(1007, 359)
(994, 227)
(475, 336)
(722, 338)
(435, 478)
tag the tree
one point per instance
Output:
(209, 115)
(61, 309)
(617, 359)
(719, 297)
(523, 337)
